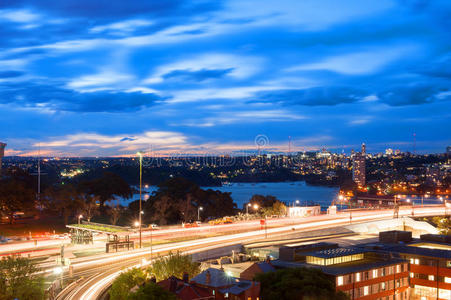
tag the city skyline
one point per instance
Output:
(197, 77)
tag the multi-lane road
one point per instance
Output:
(99, 271)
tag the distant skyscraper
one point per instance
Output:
(448, 150)
(358, 167)
(2, 153)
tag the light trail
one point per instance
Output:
(342, 218)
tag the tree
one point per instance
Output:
(152, 291)
(18, 279)
(15, 196)
(263, 201)
(298, 284)
(174, 265)
(178, 200)
(443, 224)
(115, 213)
(278, 209)
(65, 199)
(120, 289)
(88, 206)
(107, 187)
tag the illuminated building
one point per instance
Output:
(430, 266)
(2, 153)
(358, 167)
(361, 274)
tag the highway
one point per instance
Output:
(100, 271)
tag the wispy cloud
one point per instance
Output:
(19, 15)
(357, 63)
(121, 28)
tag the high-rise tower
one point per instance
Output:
(2, 153)
(359, 168)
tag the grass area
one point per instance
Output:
(37, 227)
(86, 253)
(177, 240)
(98, 227)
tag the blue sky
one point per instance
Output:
(95, 78)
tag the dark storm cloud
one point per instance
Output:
(10, 74)
(61, 99)
(318, 96)
(413, 94)
(197, 76)
(107, 9)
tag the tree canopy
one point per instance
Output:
(18, 279)
(107, 187)
(152, 291)
(120, 289)
(178, 200)
(298, 284)
(175, 264)
(15, 196)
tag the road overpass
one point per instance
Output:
(100, 272)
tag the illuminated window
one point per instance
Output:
(431, 277)
(357, 277)
(366, 290)
(340, 280)
(412, 261)
(383, 286)
(398, 268)
(447, 279)
(411, 275)
(416, 261)
(375, 273)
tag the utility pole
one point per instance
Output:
(140, 197)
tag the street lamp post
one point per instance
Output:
(198, 212)
(140, 196)
(79, 217)
(340, 198)
(247, 208)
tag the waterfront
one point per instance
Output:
(287, 192)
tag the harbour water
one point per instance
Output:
(287, 192)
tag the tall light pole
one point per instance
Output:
(340, 198)
(79, 217)
(247, 208)
(140, 196)
(198, 212)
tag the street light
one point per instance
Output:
(137, 223)
(341, 198)
(198, 212)
(59, 271)
(247, 208)
(297, 202)
(255, 206)
(79, 217)
(140, 194)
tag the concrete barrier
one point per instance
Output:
(417, 227)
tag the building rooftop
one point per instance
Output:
(218, 278)
(343, 268)
(337, 252)
(418, 249)
(238, 288)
